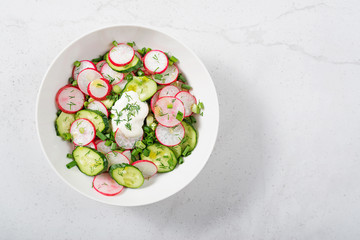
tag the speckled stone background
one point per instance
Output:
(286, 163)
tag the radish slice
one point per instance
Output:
(105, 185)
(146, 167)
(83, 65)
(156, 61)
(127, 153)
(154, 99)
(99, 106)
(116, 157)
(70, 99)
(101, 147)
(99, 65)
(166, 109)
(85, 77)
(99, 89)
(170, 136)
(168, 91)
(188, 100)
(169, 76)
(90, 145)
(111, 75)
(121, 54)
(124, 142)
(82, 132)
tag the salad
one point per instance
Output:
(129, 114)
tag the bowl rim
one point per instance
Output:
(89, 33)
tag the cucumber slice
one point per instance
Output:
(177, 150)
(132, 66)
(90, 161)
(163, 157)
(143, 86)
(190, 138)
(99, 119)
(63, 123)
(127, 175)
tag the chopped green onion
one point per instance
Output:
(131, 44)
(129, 77)
(116, 89)
(58, 113)
(77, 64)
(69, 155)
(136, 151)
(153, 126)
(146, 152)
(101, 136)
(174, 59)
(114, 43)
(74, 83)
(71, 164)
(140, 145)
(113, 146)
(186, 150)
(71, 80)
(201, 105)
(170, 106)
(112, 115)
(184, 86)
(108, 143)
(140, 73)
(148, 50)
(158, 76)
(195, 109)
(133, 158)
(181, 160)
(147, 129)
(181, 78)
(81, 130)
(149, 119)
(202, 114)
(179, 116)
(108, 135)
(86, 104)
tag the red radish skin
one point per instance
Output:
(90, 145)
(167, 116)
(99, 93)
(88, 135)
(188, 100)
(147, 168)
(168, 91)
(83, 65)
(69, 99)
(155, 66)
(101, 147)
(110, 74)
(99, 65)
(127, 153)
(169, 76)
(122, 47)
(85, 77)
(105, 185)
(99, 106)
(154, 99)
(170, 136)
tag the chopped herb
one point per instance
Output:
(114, 43)
(71, 164)
(74, 83)
(129, 77)
(69, 155)
(140, 73)
(100, 85)
(97, 59)
(187, 87)
(170, 106)
(181, 78)
(128, 126)
(110, 78)
(140, 145)
(146, 152)
(113, 146)
(71, 104)
(108, 143)
(71, 80)
(131, 44)
(101, 136)
(158, 76)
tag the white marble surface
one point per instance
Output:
(286, 164)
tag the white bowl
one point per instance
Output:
(97, 43)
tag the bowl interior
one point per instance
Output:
(97, 43)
